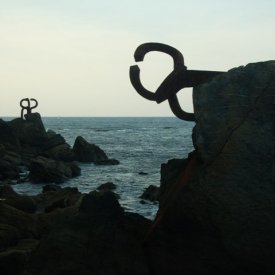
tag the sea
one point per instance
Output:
(141, 144)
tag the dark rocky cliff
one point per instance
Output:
(217, 208)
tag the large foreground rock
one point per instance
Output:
(221, 209)
(70, 233)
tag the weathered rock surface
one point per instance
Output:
(221, 208)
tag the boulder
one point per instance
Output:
(234, 137)
(8, 170)
(101, 205)
(61, 152)
(53, 140)
(21, 224)
(8, 137)
(55, 197)
(99, 239)
(169, 172)
(43, 169)
(108, 186)
(30, 132)
(218, 216)
(87, 152)
(151, 193)
(14, 259)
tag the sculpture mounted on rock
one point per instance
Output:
(28, 107)
(178, 79)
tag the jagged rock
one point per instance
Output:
(151, 193)
(55, 197)
(25, 143)
(8, 170)
(169, 173)
(20, 202)
(235, 139)
(9, 164)
(108, 186)
(62, 152)
(222, 207)
(53, 140)
(14, 259)
(87, 152)
(15, 228)
(76, 170)
(48, 170)
(101, 204)
(101, 233)
(8, 137)
(30, 132)
(22, 225)
(12, 157)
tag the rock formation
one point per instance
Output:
(87, 152)
(25, 144)
(70, 233)
(217, 208)
(219, 213)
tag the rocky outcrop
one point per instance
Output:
(88, 152)
(220, 209)
(71, 233)
(48, 170)
(216, 215)
(107, 186)
(26, 145)
(151, 193)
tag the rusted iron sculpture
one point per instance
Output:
(178, 79)
(28, 107)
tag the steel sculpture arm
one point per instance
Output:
(178, 79)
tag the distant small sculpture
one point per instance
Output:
(28, 107)
(178, 79)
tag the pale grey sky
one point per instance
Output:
(73, 56)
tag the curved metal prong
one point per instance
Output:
(145, 48)
(36, 103)
(135, 80)
(177, 110)
(21, 103)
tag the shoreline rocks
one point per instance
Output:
(26, 145)
(65, 225)
(218, 211)
(216, 208)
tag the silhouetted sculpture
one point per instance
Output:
(28, 108)
(178, 79)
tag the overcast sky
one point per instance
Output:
(73, 56)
